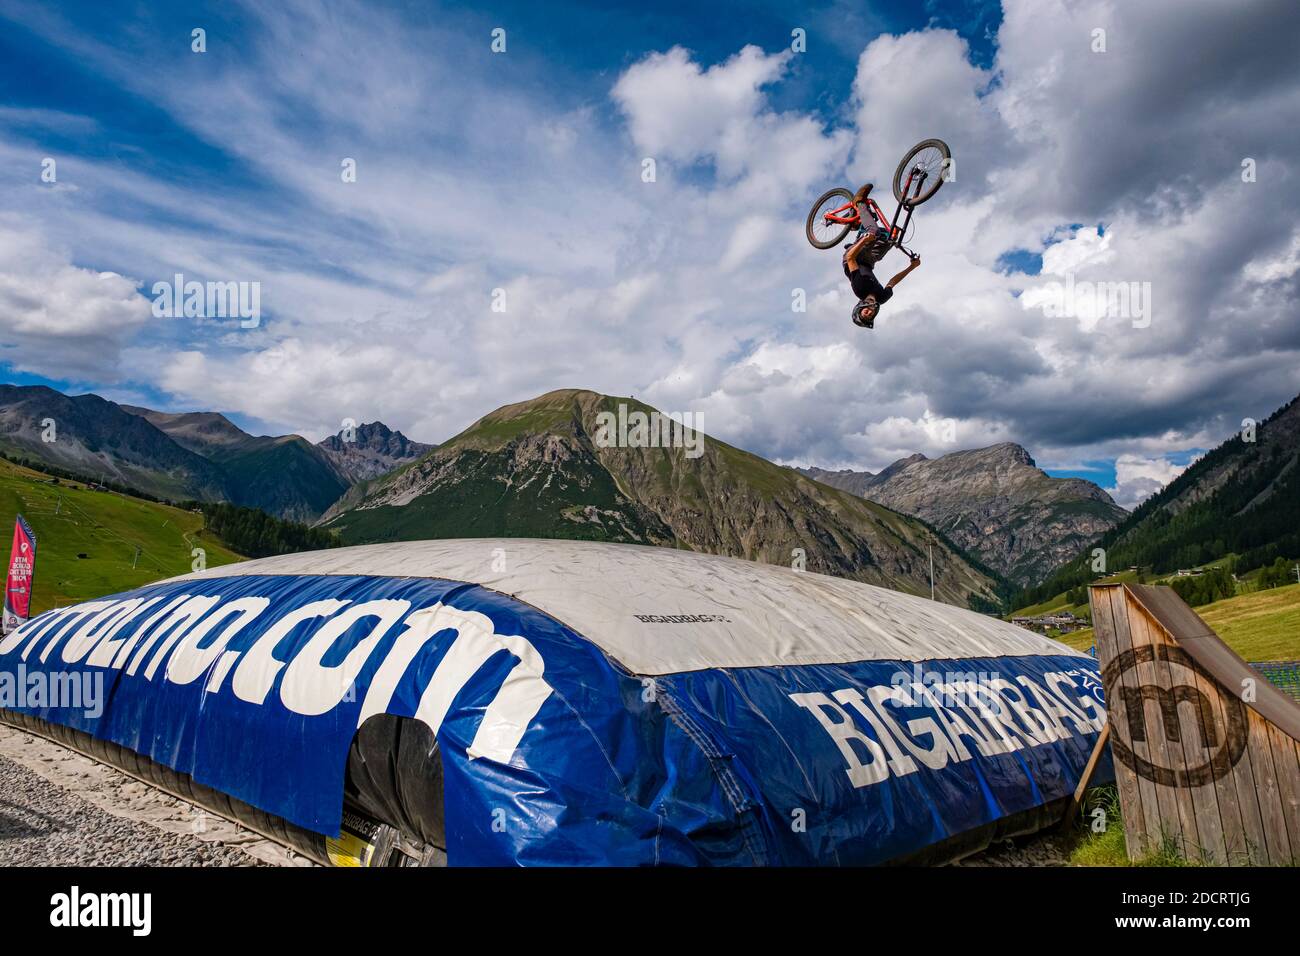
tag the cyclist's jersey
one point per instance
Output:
(865, 283)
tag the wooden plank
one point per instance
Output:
(1128, 683)
(1276, 842)
(1286, 764)
(1103, 622)
(1089, 768)
(1130, 800)
(1202, 730)
(1177, 814)
(1241, 797)
(1232, 832)
(1243, 781)
(1260, 771)
(1198, 763)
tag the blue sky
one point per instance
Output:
(521, 173)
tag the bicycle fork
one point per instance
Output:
(897, 232)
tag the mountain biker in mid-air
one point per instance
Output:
(925, 167)
(860, 257)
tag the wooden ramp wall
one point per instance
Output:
(1207, 751)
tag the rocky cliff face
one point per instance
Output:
(854, 482)
(995, 503)
(540, 469)
(372, 450)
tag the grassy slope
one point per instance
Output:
(106, 527)
(1260, 626)
(1061, 601)
(158, 483)
(476, 506)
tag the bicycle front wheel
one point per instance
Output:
(922, 171)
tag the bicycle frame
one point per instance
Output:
(848, 213)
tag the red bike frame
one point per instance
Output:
(848, 213)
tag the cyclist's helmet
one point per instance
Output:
(864, 312)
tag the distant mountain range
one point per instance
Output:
(286, 476)
(993, 502)
(538, 469)
(1242, 498)
(95, 437)
(194, 455)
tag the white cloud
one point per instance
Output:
(60, 320)
(921, 85)
(750, 234)
(1276, 268)
(678, 110)
(1138, 478)
(1085, 247)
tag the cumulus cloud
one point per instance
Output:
(921, 85)
(1085, 247)
(58, 319)
(678, 110)
(1138, 478)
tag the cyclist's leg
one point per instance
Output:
(865, 219)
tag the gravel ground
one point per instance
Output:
(41, 824)
(1044, 849)
(59, 808)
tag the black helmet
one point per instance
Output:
(864, 312)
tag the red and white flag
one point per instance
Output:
(18, 587)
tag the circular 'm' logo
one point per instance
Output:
(1223, 749)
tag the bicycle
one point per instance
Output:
(925, 167)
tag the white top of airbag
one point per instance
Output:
(663, 611)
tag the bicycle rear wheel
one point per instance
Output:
(822, 232)
(929, 158)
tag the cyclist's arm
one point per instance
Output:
(903, 275)
(852, 256)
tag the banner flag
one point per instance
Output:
(18, 587)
